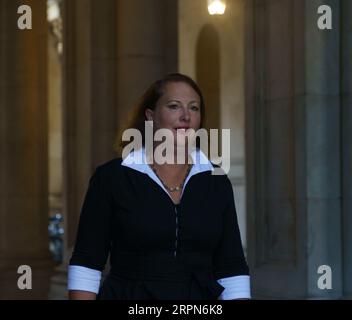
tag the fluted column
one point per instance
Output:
(24, 151)
(323, 150)
(89, 98)
(294, 149)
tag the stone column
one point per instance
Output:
(346, 77)
(146, 48)
(24, 151)
(89, 99)
(294, 168)
(323, 149)
(274, 75)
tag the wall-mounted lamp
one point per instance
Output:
(216, 6)
(53, 10)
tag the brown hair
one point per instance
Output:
(148, 101)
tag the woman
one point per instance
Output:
(171, 229)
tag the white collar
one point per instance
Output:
(137, 160)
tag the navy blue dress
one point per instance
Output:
(159, 250)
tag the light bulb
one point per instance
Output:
(216, 7)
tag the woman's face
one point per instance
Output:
(177, 108)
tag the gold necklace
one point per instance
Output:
(173, 189)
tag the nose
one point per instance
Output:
(185, 114)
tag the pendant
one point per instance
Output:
(173, 189)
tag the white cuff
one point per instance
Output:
(82, 278)
(237, 287)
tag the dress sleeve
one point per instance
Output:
(93, 239)
(229, 258)
(83, 279)
(237, 287)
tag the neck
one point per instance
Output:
(181, 157)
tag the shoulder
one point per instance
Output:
(106, 175)
(219, 174)
(221, 179)
(108, 169)
(110, 166)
